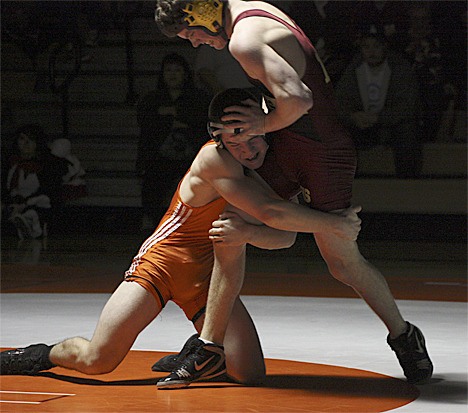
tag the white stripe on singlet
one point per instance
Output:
(178, 217)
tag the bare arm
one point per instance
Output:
(227, 177)
(262, 62)
(231, 230)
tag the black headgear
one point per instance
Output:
(228, 97)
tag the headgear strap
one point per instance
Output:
(205, 13)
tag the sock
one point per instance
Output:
(206, 341)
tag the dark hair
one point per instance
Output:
(173, 16)
(35, 132)
(181, 61)
(169, 16)
(225, 98)
(372, 30)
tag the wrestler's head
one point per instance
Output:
(249, 152)
(373, 47)
(199, 21)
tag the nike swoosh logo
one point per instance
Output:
(419, 342)
(198, 367)
(420, 348)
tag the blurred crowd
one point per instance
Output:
(398, 67)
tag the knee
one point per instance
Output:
(347, 272)
(95, 364)
(94, 361)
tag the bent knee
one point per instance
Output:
(97, 364)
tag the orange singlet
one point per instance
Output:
(176, 261)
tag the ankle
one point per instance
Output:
(402, 329)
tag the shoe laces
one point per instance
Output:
(17, 363)
(182, 372)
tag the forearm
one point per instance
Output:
(264, 237)
(226, 282)
(288, 110)
(297, 218)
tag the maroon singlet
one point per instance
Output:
(314, 154)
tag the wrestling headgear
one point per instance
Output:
(229, 97)
(207, 15)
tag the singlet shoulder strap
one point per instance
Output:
(295, 29)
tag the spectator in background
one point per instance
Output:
(423, 50)
(390, 15)
(217, 70)
(172, 129)
(378, 102)
(450, 21)
(32, 182)
(73, 182)
(327, 24)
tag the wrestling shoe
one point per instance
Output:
(26, 361)
(203, 362)
(410, 348)
(170, 363)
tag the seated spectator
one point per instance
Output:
(423, 49)
(328, 25)
(378, 102)
(172, 129)
(389, 15)
(33, 182)
(73, 182)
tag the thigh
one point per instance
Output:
(129, 310)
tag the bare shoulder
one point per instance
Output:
(198, 186)
(254, 35)
(213, 161)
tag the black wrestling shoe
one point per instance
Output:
(410, 348)
(171, 362)
(205, 361)
(26, 361)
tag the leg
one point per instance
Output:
(347, 265)
(225, 285)
(129, 310)
(244, 355)
(207, 358)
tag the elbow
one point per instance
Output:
(292, 238)
(275, 213)
(270, 216)
(289, 239)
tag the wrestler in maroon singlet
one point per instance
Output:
(315, 153)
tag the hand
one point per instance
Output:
(230, 229)
(250, 119)
(350, 225)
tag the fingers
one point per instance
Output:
(228, 215)
(356, 209)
